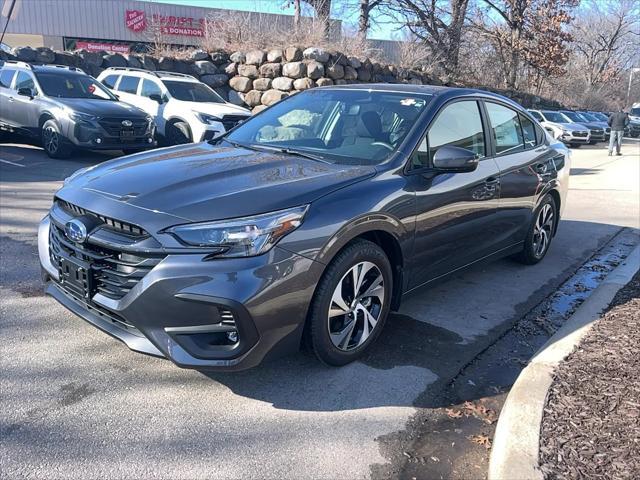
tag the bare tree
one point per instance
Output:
(437, 23)
(364, 17)
(323, 12)
(526, 31)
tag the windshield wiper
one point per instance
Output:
(291, 151)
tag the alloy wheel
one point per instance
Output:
(51, 140)
(543, 230)
(356, 306)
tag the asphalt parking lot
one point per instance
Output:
(79, 404)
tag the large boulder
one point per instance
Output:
(253, 98)
(246, 70)
(303, 83)
(272, 96)
(199, 54)
(314, 53)
(133, 61)
(335, 71)
(67, 58)
(181, 66)
(148, 62)
(364, 74)
(24, 54)
(350, 73)
(165, 63)
(231, 69)
(294, 69)
(282, 83)
(203, 67)
(258, 109)
(238, 57)
(114, 60)
(90, 58)
(241, 84)
(215, 81)
(271, 70)
(315, 70)
(293, 54)
(355, 62)
(323, 82)
(255, 57)
(275, 55)
(45, 55)
(219, 57)
(262, 84)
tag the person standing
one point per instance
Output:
(617, 121)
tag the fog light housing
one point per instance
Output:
(149, 140)
(98, 140)
(232, 337)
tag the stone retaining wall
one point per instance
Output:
(256, 78)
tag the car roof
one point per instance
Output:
(159, 74)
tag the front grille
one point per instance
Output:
(114, 126)
(117, 225)
(580, 134)
(110, 272)
(597, 131)
(230, 121)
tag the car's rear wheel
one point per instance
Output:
(541, 231)
(54, 143)
(178, 133)
(351, 303)
(575, 145)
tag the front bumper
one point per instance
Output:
(181, 308)
(94, 136)
(574, 137)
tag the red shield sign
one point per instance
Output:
(135, 20)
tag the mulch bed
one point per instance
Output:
(591, 424)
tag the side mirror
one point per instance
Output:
(27, 92)
(455, 160)
(156, 98)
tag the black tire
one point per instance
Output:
(575, 145)
(178, 133)
(593, 142)
(531, 252)
(54, 143)
(319, 320)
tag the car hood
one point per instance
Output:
(572, 127)
(217, 109)
(200, 182)
(101, 108)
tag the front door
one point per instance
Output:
(456, 217)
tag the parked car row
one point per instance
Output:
(125, 109)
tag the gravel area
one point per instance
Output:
(591, 424)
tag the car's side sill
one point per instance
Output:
(504, 252)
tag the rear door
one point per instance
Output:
(150, 87)
(455, 212)
(127, 90)
(525, 165)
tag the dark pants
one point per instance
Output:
(616, 139)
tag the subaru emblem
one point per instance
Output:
(75, 230)
(127, 123)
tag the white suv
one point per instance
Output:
(184, 109)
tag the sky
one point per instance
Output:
(345, 10)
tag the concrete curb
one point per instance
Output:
(517, 437)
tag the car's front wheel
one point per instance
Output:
(351, 303)
(178, 133)
(541, 231)
(53, 142)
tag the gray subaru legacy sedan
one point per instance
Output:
(307, 223)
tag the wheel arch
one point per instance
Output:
(44, 116)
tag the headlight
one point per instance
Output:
(242, 237)
(79, 116)
(206, 118)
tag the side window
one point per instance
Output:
(110, 80)
(6, 76)
(528, 132)
(24, 80)
(537, 116)
(128, 84)
(505, 128)
(149, 88)
(457, 125)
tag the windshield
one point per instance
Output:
(600, 116)
(72, 86)
(192, 92)
(589, 117)
(573, 116)
(358, 127)
(555, 117)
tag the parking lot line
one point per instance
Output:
(12, 163)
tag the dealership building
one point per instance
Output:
(115, 25)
